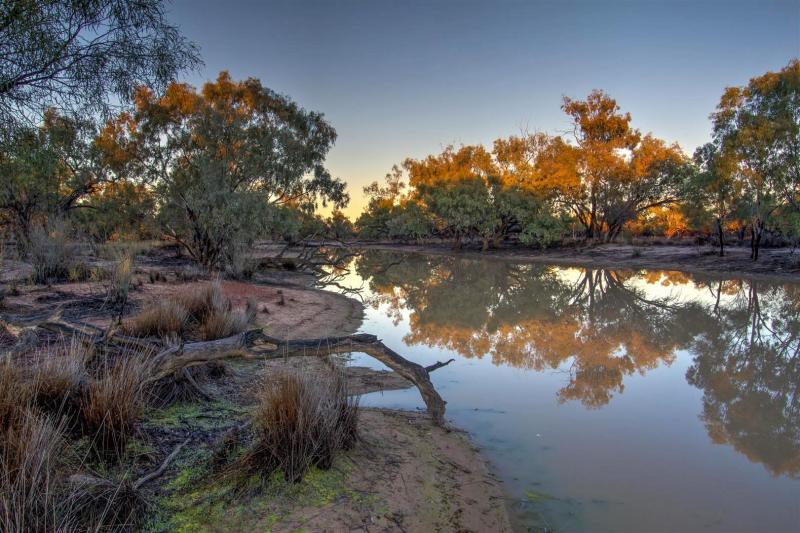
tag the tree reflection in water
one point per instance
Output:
(602, 325)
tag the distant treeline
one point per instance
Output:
(216, 168)
(607, 180)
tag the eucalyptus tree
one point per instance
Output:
(222, 159)
(714, 190)
(610, 173)
(47, 171)
(759, 126)
(81, 55)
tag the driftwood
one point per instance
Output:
(253, 344)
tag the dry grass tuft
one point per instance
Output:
(31, 451)
(300, 422)
(206, 313)
(164, 317)
(112, 404)
(112, 505)
(58, 378)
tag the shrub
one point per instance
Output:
(300, 422)
(30, 451)
(207, 312)
(49, 256)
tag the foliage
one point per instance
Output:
(120, 210)
(75, 55)
(757, 128)
(219, 158)
(300, 422)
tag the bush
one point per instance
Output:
(300, 422)
(49, 255)
(162, 318)
(57, 381)
(31, 450)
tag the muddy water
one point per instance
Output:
(607, 400)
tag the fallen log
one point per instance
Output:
(255, 344)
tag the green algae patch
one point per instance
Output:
(534, 496)
(197, 499)
(202, 416)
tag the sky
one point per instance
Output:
(402, 79)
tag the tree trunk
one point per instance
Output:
(756, 230)
(721, 238)
(485, 245)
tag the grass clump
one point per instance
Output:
(31, 449)
(113, 402)
(161, 319)
(299, 422)
(204, 314)
(49, 255)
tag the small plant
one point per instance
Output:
(79, 272)
(58, 379)
(163, 318)
(299, 422)
(49, 255)
(113, 402)
(120, 284)
(30, 452)
(206, 313)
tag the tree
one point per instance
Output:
(47, 171)
(221, 159)
(374, 222)
(612, 173)
(759, 126)
(714, 189)
(339, 226)
(118, 209)
(456, 186)
(72, 55)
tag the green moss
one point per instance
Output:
(206, 416)
(196, 501)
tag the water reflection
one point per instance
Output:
(600, 326)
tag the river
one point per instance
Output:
(606, 400)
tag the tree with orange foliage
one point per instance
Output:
(221, 158)
(611, 173)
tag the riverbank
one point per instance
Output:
(772, 264)
(404, 474)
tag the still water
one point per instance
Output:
(606, 400)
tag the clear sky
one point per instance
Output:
(403, 79)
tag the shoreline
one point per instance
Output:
(776, 264)
(406, 474)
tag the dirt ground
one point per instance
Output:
(404, 474)
(773, 263)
